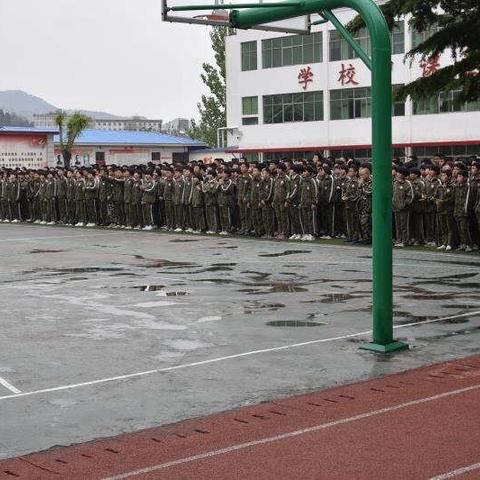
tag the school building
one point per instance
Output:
(293, 95)
(125, 147)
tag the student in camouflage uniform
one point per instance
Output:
(444, 200)
(432, 183)
(403, 196)
(187, 200)
(178, 195)
(462, 203)
(267, 203)
(256, 202)
(79, 195)
(61, 195)
(340, 176)
(127, 198)
(90, 199)
(149, 194)
(49, 200)
(280, 206)
(225, 200)
(4, 205)
(350, 197)
(198, 207)
(417, 210)
(326, 190)
(168, 191)
(70, 197)
(307, 206)
(210, 187)
(293, 201)
(244, 187)
(137, 194)
(365, 203)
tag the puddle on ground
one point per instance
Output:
(162, 263)
(172, 294)
(149, 288)
(278, 287)
(447, 262)
(430, 296)
(259, 275)
(218, 281)
(294, 323)
(465, 331)
(65, 271)
(39, 250)
(254, 307)
(124, 274)
(184, 240)
(337, 297)
(462, 306)
(282, 254)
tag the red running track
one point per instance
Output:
(421, 424)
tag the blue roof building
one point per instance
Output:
(126, 147)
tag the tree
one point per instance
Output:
(212, 107)
(455, 27)
(70, 126)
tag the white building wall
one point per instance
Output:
(407, 130)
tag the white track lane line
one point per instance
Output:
(295, 433)
(456, 473)
(220, 359)
(9, 386)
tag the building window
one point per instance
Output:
(420, 37)
(249, 56)
(449, 151)
(341, 50)
(444, 102)
(156, 156)
(250, 105)
(398, 105)
(292, 50)
(350, 103)
(293, 107)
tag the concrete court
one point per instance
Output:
(103, 330)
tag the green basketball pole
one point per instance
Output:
(381, 67)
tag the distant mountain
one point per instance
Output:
(26, 105)
(23, 104)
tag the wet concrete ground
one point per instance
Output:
(105, 332)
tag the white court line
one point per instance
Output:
(220, 359)
(9, 386)
(295, 433)
(456, 473)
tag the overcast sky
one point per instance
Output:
(110, 55)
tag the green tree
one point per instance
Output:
(212, 107)
(70, 126)
(454, 26)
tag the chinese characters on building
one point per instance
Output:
(347, 75)
(305, 77)
(430, 65)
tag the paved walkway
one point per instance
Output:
(420, 424)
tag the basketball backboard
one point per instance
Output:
(172, 12)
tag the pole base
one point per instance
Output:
(389, 347)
